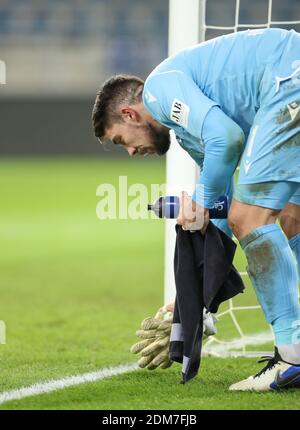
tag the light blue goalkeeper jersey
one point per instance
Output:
(210, 93)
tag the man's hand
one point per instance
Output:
(167, 308)
(192, 216)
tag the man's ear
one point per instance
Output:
(130, 115)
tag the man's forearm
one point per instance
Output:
(223, 145)
(221, 158)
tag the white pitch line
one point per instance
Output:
(58, 384)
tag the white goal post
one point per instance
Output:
(184, 25)
(187, 26)
(2, 73)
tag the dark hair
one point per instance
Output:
(117, 90)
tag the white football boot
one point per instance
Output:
(276, 375)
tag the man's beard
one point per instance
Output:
(160, 139)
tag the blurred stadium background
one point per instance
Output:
(74, 289)
(58, 52)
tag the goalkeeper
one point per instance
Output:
(234, 98)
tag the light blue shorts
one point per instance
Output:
(272, 152)
(273, 195)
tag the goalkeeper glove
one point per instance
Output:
(155, 338)
(154, 344)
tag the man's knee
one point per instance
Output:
(289, 219)
(235, 222)
(239, 224)
(244, 218)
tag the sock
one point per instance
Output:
(272, 270)
(290, 353)
(295, 245)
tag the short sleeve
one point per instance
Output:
(174, 98)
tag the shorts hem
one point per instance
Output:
(251, 201)
(258, 180)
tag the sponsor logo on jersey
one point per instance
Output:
(180, 113)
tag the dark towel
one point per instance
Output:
(204, 277)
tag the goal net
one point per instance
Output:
(242, 330)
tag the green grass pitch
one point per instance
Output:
(74, 290)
